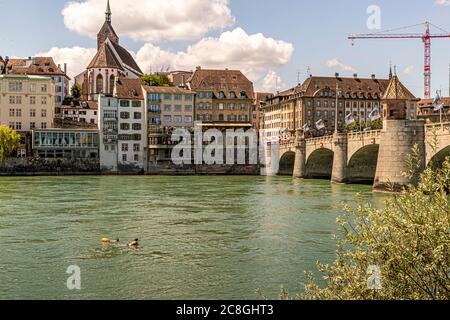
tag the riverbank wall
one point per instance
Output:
(62, 167)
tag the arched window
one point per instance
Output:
(99, 84)
(111, 84)
(232, 95)
(243, 95)
(91, 84)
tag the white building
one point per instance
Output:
(122, 128)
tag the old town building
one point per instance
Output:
(167, 108)
(426, 110)
(40, 66)
(257, 108)
(122, 127)
(26, 103)
(315, 100)
(223, 96)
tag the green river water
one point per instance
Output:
(201, 237)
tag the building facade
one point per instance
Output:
(122, 128)
(27, 102)
(427, 111)
(41, 66)
(223, 96)
(167, 108)
(84, 112)
(66, 144)
(315, 100)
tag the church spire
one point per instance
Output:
(108, 13)
(390, 72)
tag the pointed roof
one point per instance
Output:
(126, 57)
(108, 12)
(396, 90)
(105, 58)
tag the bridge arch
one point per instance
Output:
(287, 162)
(438, 159)
(362, 165)
(319, 164)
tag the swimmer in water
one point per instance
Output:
(107, 241)
(134, 244)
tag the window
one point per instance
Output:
(18, 125)
(32, 100)
(232, 95)
(136, 104)
(124, 115)
(125, 126)
(136, 148)
(177, 108)
(137, 126)
(12, 100)
(243, 95)
(188, 97)
(109, 114)
(43, 113)
(124, 103)
(137, 115)
(32, 125)
(188, 109)
(15, 86)
(177, 119)
(124, 158)
(319, 113)
(32, 113)
(12, 112)
(43, 125)
(167, 96)
(125, 147)
(43, 88)
(112, 81)
(43, 100)
(220, 106)
(32, 87)
(188, 119)
(244, 106)
(221, 95)
(18, 113)
(178, 97)
(11, 125)
(167, 108)
(99, 83)
(153, 97)
(167, 118)
(136, 157)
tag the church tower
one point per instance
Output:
(107, 31)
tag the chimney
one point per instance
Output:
(65, 68)
(373, 77)
(336, 75)
(355, 75)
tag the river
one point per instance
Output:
(201, 237)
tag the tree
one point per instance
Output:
(355, 126)
(9, 142)
(76, 91)
(376, 124)
(156, 80)
(399, 252)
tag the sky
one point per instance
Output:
(274, 43)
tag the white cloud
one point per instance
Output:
(272, 83)
(77, 58)
(443, 3)
(252, 54)
(335, 63)
(408, 69)
(150, 20)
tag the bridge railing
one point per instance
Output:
(319, 139)
(364, 134)
(437, 127)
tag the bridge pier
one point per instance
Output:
(397, 141)
(339, 174)
(300, 157)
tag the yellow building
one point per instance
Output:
(27, 102)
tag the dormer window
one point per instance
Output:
(221, 95)
(232, 95)
(243, 95)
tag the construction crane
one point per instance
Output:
(426, 38)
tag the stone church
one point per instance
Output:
(111, 61)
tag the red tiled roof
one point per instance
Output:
(129, 89)
(105, 58)
(171, 90)
(225, 81)
(35, 66)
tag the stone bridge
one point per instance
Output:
(365, 157)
